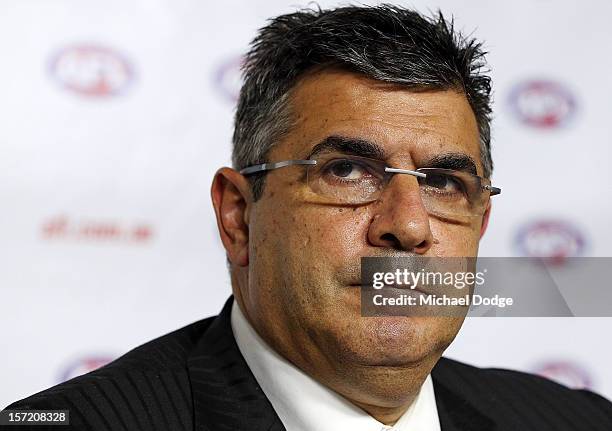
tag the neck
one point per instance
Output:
(386, 415)
(384, 392)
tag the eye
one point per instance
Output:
(443, 183)
(347, 169)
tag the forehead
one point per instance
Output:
(410, 125)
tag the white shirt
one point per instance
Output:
(304, 404)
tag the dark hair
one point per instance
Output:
(388, 43)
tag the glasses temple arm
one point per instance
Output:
(269, 166)
(492, 190)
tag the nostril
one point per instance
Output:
(422, 245)
(391, 240)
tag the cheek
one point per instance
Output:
(454, 240)
(312, 241)
(342, 229)
(301, 237)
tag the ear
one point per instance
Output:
(231, 194)
(485, 219)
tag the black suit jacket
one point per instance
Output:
(196, 379)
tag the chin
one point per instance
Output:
(394, 341)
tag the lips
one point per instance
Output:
(395, 286)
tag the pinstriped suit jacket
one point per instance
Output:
(196, 379)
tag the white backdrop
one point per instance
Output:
(114, 115)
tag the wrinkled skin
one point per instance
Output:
(295, 261)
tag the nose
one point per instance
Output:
(401, 221)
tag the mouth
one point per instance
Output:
(402, 287)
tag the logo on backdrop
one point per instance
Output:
(566, 373)
(92, 70)
(61, 227)
(551, 240)
(83, 365)
(228, 79)
(542, 104)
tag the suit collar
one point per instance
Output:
(455, 411)
(226, 394)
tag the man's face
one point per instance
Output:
(300, 289)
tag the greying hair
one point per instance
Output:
(385, 42)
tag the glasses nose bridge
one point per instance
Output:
(408, 183)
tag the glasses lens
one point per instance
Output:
(447, 192)
(347, 179)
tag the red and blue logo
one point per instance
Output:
(83, 366)
(92, 70)
(551, 240)
(228, 79)
(566, 373)
(543, 104)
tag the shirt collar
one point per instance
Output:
(304, 404)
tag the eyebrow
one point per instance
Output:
(347, 145)
(364, 148)
(455, 161)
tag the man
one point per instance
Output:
(341, 113)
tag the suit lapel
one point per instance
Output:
(456, 413)
(225, 392)
(227, 396)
